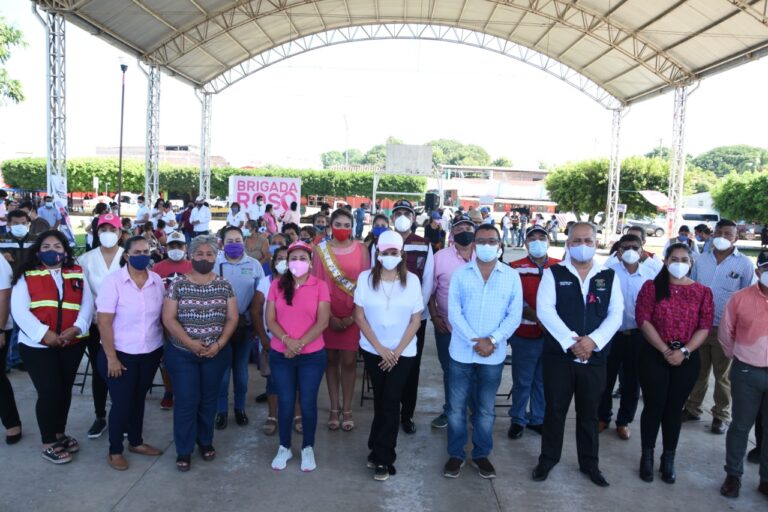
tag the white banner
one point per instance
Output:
(279, 192)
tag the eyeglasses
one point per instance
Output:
(630, 248)
(486, 241)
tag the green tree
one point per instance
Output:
(377, 155)
(453, 152)
(331, 158)
(502, 161)
(740, 158)
(10, 38)
(743, 196)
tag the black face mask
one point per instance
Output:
(464, 238)
(202, 266)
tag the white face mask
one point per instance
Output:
(721, 244)
(176, 254)
(403, 224)
(630, 257)
(281, 266)
(487, 253)
(582, 252)
(764, 278)
(537, 248)
(390, 262)
(679, 270)
(108, 239)
(19, 230)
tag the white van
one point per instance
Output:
(694, 216)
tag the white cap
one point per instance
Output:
(389, 240)
(200, 199)
(176, 237)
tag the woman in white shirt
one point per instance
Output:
(388, 305)
(236, 217)
(52, 305)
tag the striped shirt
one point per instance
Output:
(202, 308)
(734, 273)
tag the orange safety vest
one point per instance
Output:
(58, 313)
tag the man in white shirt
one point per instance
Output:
(200, 217)
(142, 214)
(256, 210)
(580, 305)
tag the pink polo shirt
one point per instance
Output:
(447, 261)
(301, 315)
(743, 331)
(136, 326)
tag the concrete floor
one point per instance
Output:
(241, 479)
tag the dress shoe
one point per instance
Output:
(260, 399)
(596, 476)
(540, 473)
(240, 417)
(536, 428)
(145, 449)
(753, 455)
(686, 416)
(646, 465)
(409, 427)
(763, 488)
(731, 486)
(515, 431)
(719, 427)
(117, 461)
(623, 432)
(667, 467)
(602, 425)
(221, 421)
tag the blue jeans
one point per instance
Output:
(527, 381)
(485, 378)
(303, 373)
(504, 235)
(241, 343)
(521, 236)
(196, 383)
(442, 342)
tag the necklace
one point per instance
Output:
(387, 294)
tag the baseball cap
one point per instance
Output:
(200, 199)
(485, 209)
(762, 258)
(176, 237)
(535, 229)
(436, 215)
(389, 240)
(403, 204)
(108, 218)
(475, 217)
(464, 219)
(300, 245)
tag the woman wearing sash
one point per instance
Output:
(339, 262)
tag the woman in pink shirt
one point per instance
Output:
(269, 218)
(129, 307)
(298, 308)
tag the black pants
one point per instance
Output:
(759, 430)
(665, 390)
(623, 356)
(9, 414)
(565, 379)
(411, 390)
(128, 393)
(98, 386)
(52, 371)
(387, 391)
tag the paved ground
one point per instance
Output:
(241, 478)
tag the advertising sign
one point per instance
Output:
(279, 192)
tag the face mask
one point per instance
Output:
(246, 232)
(48, 204)
(682, 238)
(306, 240)
(699, 238)
(108, 239)
(281, 266)
(141, 203)
(537, 248)
(582, 252)
(390, 262)
(176, 254)
(403, 224)
(342, 235)
(258, 202)
(139, 261)
(319, 227)
(263, 229)
(202, 266)
(298, 267)
(199, 205)
(378, 230)
(630, 257)
(764, 278)
(679, 270)
(234, 250)
(464, 238)
(19, 230)
(273, 248)
(50, 258)
(721, 244)
(235, 210)
(487, 253)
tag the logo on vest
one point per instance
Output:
(565, 283)
(600, 285)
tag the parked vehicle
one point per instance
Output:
(649, 225)
(749, 230)
(694, 216)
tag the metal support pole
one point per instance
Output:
(205, 145)
(677, 165)
(152, 150)
(614, 178)
(123, 69)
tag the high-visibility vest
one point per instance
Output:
(58, 313)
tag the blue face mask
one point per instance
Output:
(487, 253)
(50, 258)
(319, 228)
(246, 232)
(273, 248)
(682, 238)
(378, 230)
(139, 261)
(537, 248)
(582, 252)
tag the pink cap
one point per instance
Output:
(300, 245)
(110, 219)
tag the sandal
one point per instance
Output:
(298, 426)
(70, 444)
(333, 423)
(208, 453)
(57, 454)
(183, 463)
(348, 424)
(270, 426)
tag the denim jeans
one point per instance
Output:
(527, 381)
(520, 236)
(485, 379)
(196, 383)
(442, 342)
(749, 385)
(504, 235)
(241, 343)
(302, 373)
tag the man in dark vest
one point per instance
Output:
(580, 305)
(418, 258)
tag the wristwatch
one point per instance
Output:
(686, 352)
(493, 340)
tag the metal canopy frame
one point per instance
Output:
(206, 99)
(614, 178)
(152, 150)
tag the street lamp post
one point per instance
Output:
(123, 68)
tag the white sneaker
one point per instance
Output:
(281, 459)
(308, 459)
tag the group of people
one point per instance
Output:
(314, 297)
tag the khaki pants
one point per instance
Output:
(712, 357)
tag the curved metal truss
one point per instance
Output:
(413, 31)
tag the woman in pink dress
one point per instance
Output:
(338, 262)
(269, 218)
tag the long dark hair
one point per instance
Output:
(287, 283)
(402, 271)
(661, 282)
(341, 212)
(33, 261)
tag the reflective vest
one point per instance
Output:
(58, 313)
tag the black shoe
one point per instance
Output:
(409, 427)
(240, 417)
(20, 367)
(98, 428)
(687, 416)
(540, 473)
(667, 467)
(719, 427)
(260, 399)
(452, 468)
(646, 465)
(515, 431)
(754, 456)
(381, 473)
(596, 476)
(484, 468)
(221, 421)
(536, 428)
(392, 470)
(13, 439)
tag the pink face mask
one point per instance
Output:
(298, 267)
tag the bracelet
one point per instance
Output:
(282, 338)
